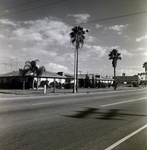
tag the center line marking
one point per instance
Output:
(123, 102)
(43, 103)
(125, 138)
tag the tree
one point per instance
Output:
(114, 55)
(77, 40)
(87, 81)
(23, 73)
(145, 66)
(31, 66)
(39, 71)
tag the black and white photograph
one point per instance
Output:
(73, 74)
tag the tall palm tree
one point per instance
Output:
(114, 55)
(77, 40)
(145, 66)
(39, 71)
(23, 73)
(31, 66)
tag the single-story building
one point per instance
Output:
(14, 80)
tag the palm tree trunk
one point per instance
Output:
(37, 84)
(33, 83)
(75, 57)
(54, 86)
(114, 78)
(24, 84)
(77, 73)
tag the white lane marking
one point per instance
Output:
(43, 103)
(123, 102)
(125, 138)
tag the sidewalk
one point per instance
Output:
(28, 93)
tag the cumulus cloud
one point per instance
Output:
(56, 67)
(141, 38)
(10, 46)
(129, 71)
(125, 52)
(98, 25)
(2, 36)
(122, 51)
(80, 18)
(93, 51)
(141, 49)
(145, 53)
(117, 28)
(8, 22)
(90, 39)
(51, 30)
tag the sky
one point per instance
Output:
(39, 29)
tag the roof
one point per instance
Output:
(46, 74)
(105, 79)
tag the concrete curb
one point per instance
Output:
(50, 95)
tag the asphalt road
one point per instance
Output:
(98, 121)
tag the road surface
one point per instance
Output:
(99, 121)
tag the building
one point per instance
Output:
(143, 78)
(14, 80)
(127, 79)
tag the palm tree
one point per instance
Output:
(31, 66)
(145, 66)
(23, 73)
(77, 40)
(114, 55)
(39, 71)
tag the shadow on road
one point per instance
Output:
(110, 114)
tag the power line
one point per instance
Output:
(18, 5)
(33, 8)
(92, 21)
(115, 17)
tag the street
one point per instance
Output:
(90, 121)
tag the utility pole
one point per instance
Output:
(16, 64)
(80, 72)
(11, 65)
(6, 64)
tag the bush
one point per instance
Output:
(135, 84)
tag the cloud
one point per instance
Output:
(10, 46)
(145, 53)
(2, 36)
(93, 51)
(141, 38)
(90, 39)
(122, 51)
(129, 71)
(8, 22)
(118, 28)
(6, 11)
(141, 49)
(48, 30)
(125, 52)
(56, 67)
(98, 26)
(80, 18)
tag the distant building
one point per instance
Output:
(142, 76)
(127, 79)
(14, 80)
